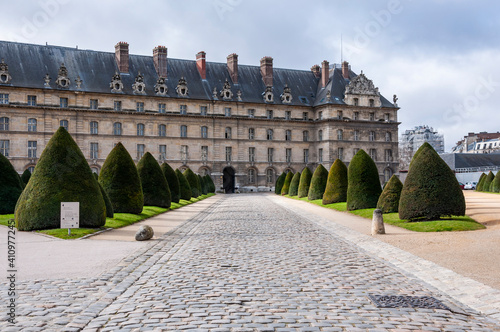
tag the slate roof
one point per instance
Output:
(29, 63)
(470, 160)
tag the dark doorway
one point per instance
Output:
(228, 180)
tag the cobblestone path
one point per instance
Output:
(245, 264)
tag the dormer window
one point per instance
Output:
(372, 103)
(4, 73)
(160, 87)
(116, 84)
(182, 89)
(286, 96)
(139, 86)
(62, 77)
(226, 92)
(268, 95)
(356, 101)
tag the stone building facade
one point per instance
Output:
(241, 124)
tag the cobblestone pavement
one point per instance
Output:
(244, 264)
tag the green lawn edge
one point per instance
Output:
(119, 220)
(451, 224)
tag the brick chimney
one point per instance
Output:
(201, 64)
(266, 70)
(345, 69)
(121, 56)
(325, 73)
(160, 60)
(316, 71)
(232, 67)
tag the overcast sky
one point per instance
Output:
(440, 57)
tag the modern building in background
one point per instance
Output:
(241, 124)
(411, 140)
(482, 142)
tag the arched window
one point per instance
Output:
(117, 128)
(162, 130)
(64, 124)
(94, 170)
(251, 175)
(32, 124)
(270, 175)
(140, 129)
(4, 123)
(31, 169)
(94, 127)
(270, 133)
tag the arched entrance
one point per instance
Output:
(228, 180)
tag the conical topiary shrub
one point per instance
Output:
(286, 184)
(318, 183)
(363, 182)
(294, 185)
(61, 175)
(154, 185)
(480, 182)
(107, 202)
(194, 183)
(173, 182)
(184, 187)
(388, 201)
(25, 177)
(431, 190)
(495, 184)
(203, 183)
(305, 182)
(211, 184)
(336, 184)
(120, 179)
(279, 183)
(11, 186)
(487, 181)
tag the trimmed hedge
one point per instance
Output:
(487, 182)
(25, 177)
(279, 184)
(211, 184)
(194, 182)
(363, 182)
(318, 183)
(173, 182)
(305, 182)
(480, 182)
(184, 187)
(286, 184)
(388, 201)
(120, 179)
(336, 184)
(154, 185)
(62, 174)
(495, 184)
(294, 185)
(11, 186)
(203, 183)
(107, 202)
(431, 190)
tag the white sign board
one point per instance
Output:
(70, 214)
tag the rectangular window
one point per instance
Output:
(305, 136)
(354, 151)
(94, 104)
(117, 128)
(373, 154)
(31, 100)
(162, 130)
(251, 155)
(31, 149)
(140, 151)
(305, 116)
(4, 98)
(204, 132)
(251, 113)
(140, 106)
(162, 151)
(140, 129)
(203, 110)
(371, 103)
(356, 101)
(388, 155)
(320, 115)
(388, 136)
(162, 108)
(227, 133)
(64, 124)
(288, 115)
(340, 134)
(229, 152)
(227, 111)
(270, 134)
(117, 106)
(356, 135)
(356, 116)
(251, 175)
(269, 114)
(270, 155)
(387, 117)
(372, 116)
(251, 133)
(288, 135)
(340, 153)
(204, 153)
(94, 150)
(32, 124)
(372, 136)
(288, 155)
(63, 102)
(183, 109)
(184, 153)
(183, 131)
(4, 147)
(306, 156)
(320, 155)
(340, 115)
(94, 127)
(320, 135)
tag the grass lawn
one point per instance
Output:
(451, 224)
(119, 220)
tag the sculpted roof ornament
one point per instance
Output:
(116, 84)
(286, 96)
(360, 85)
(78, 82)
(238, 94)
(161, 87)
(62, 80)
(47, 80)
(4, 73)
(182, 89)
(268, 95)
(214, 94)
(226, 92)
(139, 86)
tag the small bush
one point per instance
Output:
(194, 182)
(203, 182)
(363, 180)
(487, 182)
(25, 177)
(107, 202)
(184, 187)
(318, 183)
(305, 182)
(294, 185)
(495, 184)
(11, 186)
(211, 184)
(279, 183)
(480, 182)
(173, 182)
(336, 185)
(154, 185)
(388, 201)
(286, 184)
